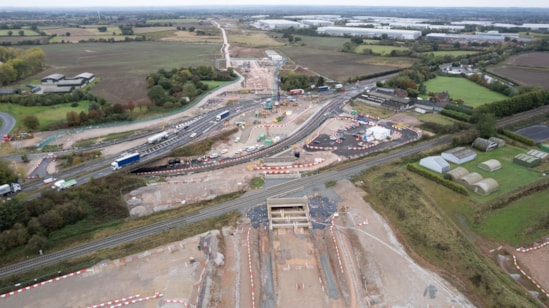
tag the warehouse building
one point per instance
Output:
(485, 37)
(272, 24)
(435, 163)
(317, 23)
(370, 33)
(459, 155)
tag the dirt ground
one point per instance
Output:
(535, 264)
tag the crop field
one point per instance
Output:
(173, 20)
(187, 37)
(512, 224)
(257, 39)
(122, 68)
(433, 117)
(509, 177)
(47, 114)
(529, 69)
(460, 88)
(379, 49)
(323, 42)
(336, 65)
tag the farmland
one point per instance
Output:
(257, 39)
(122, 68)
(337, 65)
(461, 88)
(379, 49)
(527, 69)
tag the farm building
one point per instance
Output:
(377, 133)
(435, 163)
(76, 83)
(470, 179)
(52, 79)
(526, 160)
(273, 55)
(87, 77)
(484, 145)
(370, 32)
(490, 165)
(485, 186)
(456, 173)
(459, 155)
(499, 141)
(539, 154)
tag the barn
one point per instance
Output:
(499, 141)
(484, 145)
(539, 154)
(435, 163)
(52, 79)
(87, 77)
(485, 186)
(470, 179)
(490, 165)
(526, 160)
(459, 155)
(456, 173)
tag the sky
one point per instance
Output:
(182, 3)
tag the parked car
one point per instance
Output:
(214, 155)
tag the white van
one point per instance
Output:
(193, 135)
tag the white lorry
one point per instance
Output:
(8, 189)
(62, 184)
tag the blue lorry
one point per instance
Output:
(323, 88)
(223, 115)
(125, 160)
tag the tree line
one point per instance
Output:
(29, 223)
(19, 63)
(169, 88)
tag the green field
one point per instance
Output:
(512, 224)
(471, 93)
(15, 32)
(379, 49)
(213, 84)
(454, 53)
(172, 20)
(322, 42)
(46, 114)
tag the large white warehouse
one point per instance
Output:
(367, 32)
(269, 24)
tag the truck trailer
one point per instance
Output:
(125, 160)
(323, 88)
(8, 189)
(62, 184)
(223, 115)
(296, 91)
(158, 137)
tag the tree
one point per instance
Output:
(37, 243)
(486, 125)
(21, 33)
(319, 82)
(67, 34)
(31, 122)
(189, 89)
(10, 33)
(131, 106)
(156, 93)
(191, 29)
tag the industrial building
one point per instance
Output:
(435, 163)
(370, 33)
(273, 55)
(485, 37)
(317, 22)
(272, 24)
(423, 26)
(459, 155)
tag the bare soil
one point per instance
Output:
(535, 264)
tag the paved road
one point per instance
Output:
(241, 204)
(8, 123)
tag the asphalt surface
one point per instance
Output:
(8, 123)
